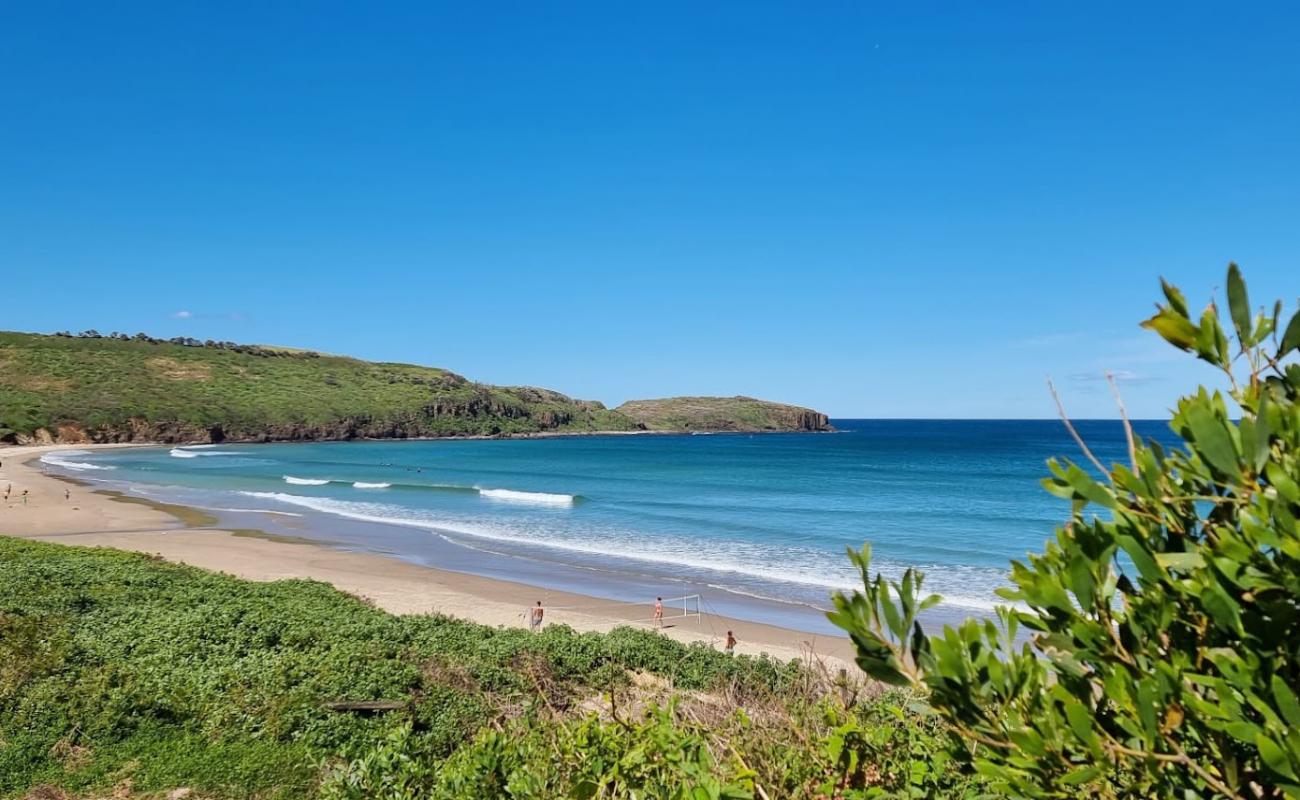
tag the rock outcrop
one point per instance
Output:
(722, 414)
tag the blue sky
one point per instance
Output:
(873, 209)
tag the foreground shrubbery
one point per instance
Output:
(794, 748)
(1165, 657)
(118, 669)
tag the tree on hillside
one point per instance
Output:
(1163, 655)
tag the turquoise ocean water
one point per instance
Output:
(756, 524)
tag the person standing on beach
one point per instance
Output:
(730, 649)
(659, 612)
(535, 618)
(67, 494)
(24, 497)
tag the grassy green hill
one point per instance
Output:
(123, 389)
(117, 388)
(722, 414)
(125, 676)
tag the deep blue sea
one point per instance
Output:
(757, 523)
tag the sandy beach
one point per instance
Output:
(63, 511)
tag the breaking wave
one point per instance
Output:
(536, 498)
(305, 481)
(364, 485)
(196, 450)
(58, 459)
(806, 569)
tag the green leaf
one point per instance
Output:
(1089, 489)
(1211, 438)
(1211, 344)
(1080, 721)
(1176, 329)
(1286, 702)
(1239, 305)
(1080, 775)
(1221, 607)
(1141, 558)
(1185, 562)
(1263, 430)
(1290, 339)
(1274, 756)
(1283, 483)
(1243, 731)
(1175, 297)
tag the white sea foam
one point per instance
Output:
(813, 570)
(364, 485)
(60, 459)
(305, 481)
(536, 498)
(197, 450)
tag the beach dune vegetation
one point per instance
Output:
(125, 675)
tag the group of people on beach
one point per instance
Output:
(9, 488)
(538, 612)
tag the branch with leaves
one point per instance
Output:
(1163, 648)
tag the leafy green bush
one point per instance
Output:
(1163, 656)
(875, 749)
(655, 758)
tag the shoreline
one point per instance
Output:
(94, 518)
(450, 438)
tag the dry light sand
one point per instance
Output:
(98, 519)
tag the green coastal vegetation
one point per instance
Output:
(125, 675)
(1151, 650)
(722, 414)
(114, 387)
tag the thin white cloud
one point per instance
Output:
(1120, 376)
(233, 316)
